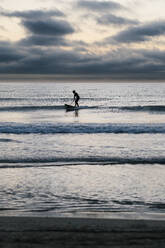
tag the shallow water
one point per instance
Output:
(83, 188)
(107, 156)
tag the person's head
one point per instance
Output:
(74, 91)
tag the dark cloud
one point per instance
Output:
(48, 27)
(32, 14)
(122, 63)
(43, 40)
(50, 61)
(46, 40)
(9, 54)
(125, 64)
(42, 29)
(110, 19)
(99, 5)
(140, 33)
(28, 56)
(155, 56)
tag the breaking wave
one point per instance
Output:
(39, 107)
(147, 108)
(73, 161)
(8, 140)
(30, 108)
(90, 128)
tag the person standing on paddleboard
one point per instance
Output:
(76, 98)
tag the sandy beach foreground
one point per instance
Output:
(81, 232)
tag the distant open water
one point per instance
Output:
(107, 156)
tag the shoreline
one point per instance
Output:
(78, 231)
(80, 224)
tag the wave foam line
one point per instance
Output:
(35, 108)
(147, 108)
(73, 161)
(90, 128)
(30, 108)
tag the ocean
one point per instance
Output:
(108, 156)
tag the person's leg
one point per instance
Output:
(76, 104)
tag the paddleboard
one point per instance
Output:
(70, 107)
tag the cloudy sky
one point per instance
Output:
(97, 38)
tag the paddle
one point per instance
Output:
(72, 102)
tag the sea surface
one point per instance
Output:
(108, 156)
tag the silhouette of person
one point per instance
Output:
(76, 98)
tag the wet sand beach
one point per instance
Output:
(82, 232)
